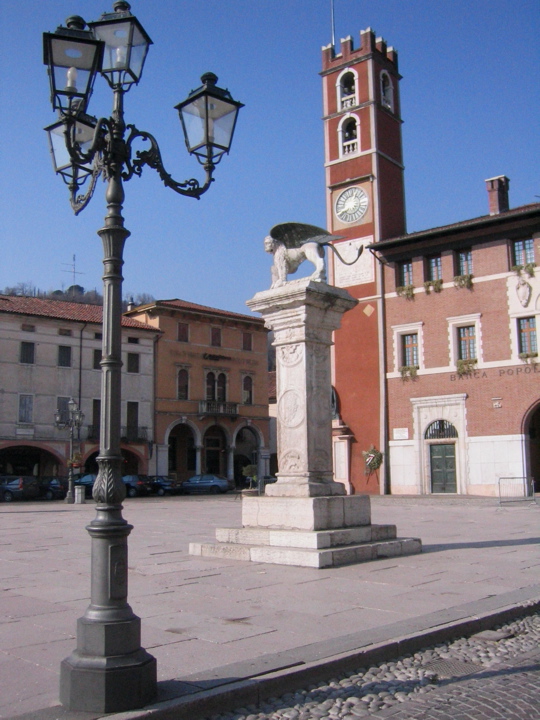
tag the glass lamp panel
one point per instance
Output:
(63, 164)
(126, 46)
(72, 66)
(192, 116)
(221, 121)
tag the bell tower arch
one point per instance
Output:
(365, 203)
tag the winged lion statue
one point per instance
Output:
(292, 243)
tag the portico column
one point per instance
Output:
(230, 462)
(198, 459)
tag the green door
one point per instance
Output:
(443, 468)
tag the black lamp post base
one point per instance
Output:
(108, 684)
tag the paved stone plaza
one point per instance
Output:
(212, 622)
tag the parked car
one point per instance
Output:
(206, 483)
(19, 487)
(162, 485)
(53, 488)
(86, 481)
(137, 485)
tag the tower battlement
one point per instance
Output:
(369, 44)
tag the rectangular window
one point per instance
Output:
(133, 420)
(523, 252)
(66, 332)
(64, 356)
(28, 328)
(133, 340)
(527, 335)
(98, 336)
(182, 334)
(183, 384)
(215, 337)
(93, 429)
(409, 350)
(96, 360)
(434, 268)
(133, 362)
(28, 353)
(467, 342)
(62, 408)
(464, 264)
(26, 409)
(247, 341)
(405, 276)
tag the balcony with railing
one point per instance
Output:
(218, 407)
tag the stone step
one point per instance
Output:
(309, 557)
(315, 540)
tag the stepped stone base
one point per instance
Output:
(309, 532)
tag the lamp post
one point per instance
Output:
(73, 421)
(109, 671)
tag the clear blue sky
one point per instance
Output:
(470, 99)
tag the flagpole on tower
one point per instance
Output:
(333, 20)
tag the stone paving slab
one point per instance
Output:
(238, 619)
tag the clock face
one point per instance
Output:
(352, 205)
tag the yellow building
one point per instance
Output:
(211, 390)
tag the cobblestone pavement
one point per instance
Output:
(434, 684)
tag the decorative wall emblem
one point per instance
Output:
(290, 409)
(523, 291)
(290, 355)
(291, 461)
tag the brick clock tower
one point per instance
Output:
(365, 204)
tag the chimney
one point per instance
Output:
(497, 188)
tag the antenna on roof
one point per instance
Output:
(333, 21)
(72, 269)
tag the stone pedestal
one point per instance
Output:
(305, 518)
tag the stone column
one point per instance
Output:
(303, 315)
(230, 462)
(198, 459)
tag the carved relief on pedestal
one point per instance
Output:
(291, 411)
(291, 461)
(290, 355)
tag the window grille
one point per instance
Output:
(467, 342)
(409, 348)
(405, 273)
(465, 265)
(133, 362)
(64, 356)
(523, 252)
(434, 268)
(28, 352)
(440, 430)
(527, 335)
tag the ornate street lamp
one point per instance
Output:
(73, 421)
(109, 671)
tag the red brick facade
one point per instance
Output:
(436, 367)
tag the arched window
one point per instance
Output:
(349, 136)
(387, 91)
(247, 390)
(221, 387)
(183, 384)
(347, 91)
(440, 430)
(210, 386)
